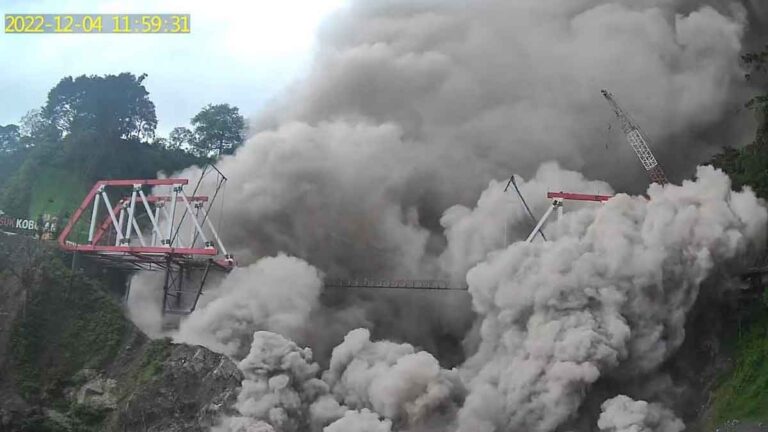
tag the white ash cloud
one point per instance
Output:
(315, 192)
(144, 302)
(607, 294)
(622, 414)
(360, 421)
(500, 218)
(611, 289)
(395, 380)
(414, 106)
(242, 424)
(282, 386)
(275, 293)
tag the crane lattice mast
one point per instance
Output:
(638, 142)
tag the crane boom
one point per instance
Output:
(637, 142)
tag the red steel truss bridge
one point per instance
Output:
(132, 228)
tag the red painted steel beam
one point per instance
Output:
(141, 249)
(155, 198)
(578, 197)
(105, 223)
(95, 189)
(76, 216)
(140, 254)
(146, 182)
(225, 264)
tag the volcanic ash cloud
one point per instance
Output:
(369, 386)
(558, 315)
(274, 293)
(622, 414)
(395, 380)
(411, 107)
(499, 217)
(607, 295)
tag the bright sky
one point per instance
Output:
(238, 52)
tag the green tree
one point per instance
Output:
(10, 138)
(749, 165)
(34, 127)
(112, 106)
(218, 129)
(179, 138)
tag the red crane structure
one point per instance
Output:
(637, 141)
(141, 231)
(639, 144)
(557, 204)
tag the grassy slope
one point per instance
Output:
(56, 191)
(743, 393)
(70, 324)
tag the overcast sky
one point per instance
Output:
(239, 52)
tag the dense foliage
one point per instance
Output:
(90, 128)
(69, 324)
(748, 166)
(112, 106)
(218, 129)
(743, 393)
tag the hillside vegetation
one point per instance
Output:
(100, 127)
(742, 393)
(74, 363)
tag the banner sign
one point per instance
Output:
(17, 223)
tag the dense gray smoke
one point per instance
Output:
(280, 384)
(622, 414)
(390, 158)
(613, 289)
(283, 390)
(393, 379)
(414, 106)
(607, 295)
(274, 294)
(363, 421)
(500, 218)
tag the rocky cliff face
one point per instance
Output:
(70, 361)
(175, 388)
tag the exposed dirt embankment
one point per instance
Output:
(70, 361)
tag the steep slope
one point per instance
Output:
(70, 361)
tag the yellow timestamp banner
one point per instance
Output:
(102, 23)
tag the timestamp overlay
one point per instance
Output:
(98, 23)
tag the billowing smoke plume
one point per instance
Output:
(280, 384)
(606, 296)
(622, 414)
(283, 390)
(613, 289)
(372, 165)
(144, 302)
(414, 106)
(392, 379)
(274, 294)
(500, 218)
(363, 421)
